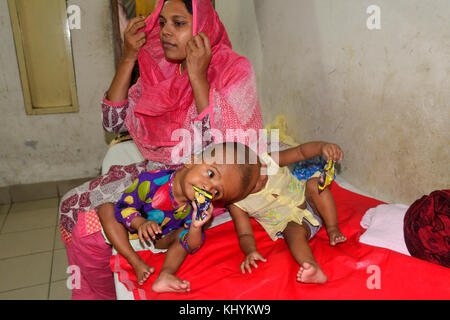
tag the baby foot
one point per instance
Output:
(311, 273)
(335, 236)
(167, 282)
(142, 270)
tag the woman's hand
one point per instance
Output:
(250, 260)
(198, 57)
(332, 151)
(133, 41)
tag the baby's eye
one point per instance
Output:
(216, 193)
(210, 173)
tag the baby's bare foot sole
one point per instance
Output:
(169, 283)
(309, 273)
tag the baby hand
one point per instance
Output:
(332, 151)
(250, 259)
(148, 229)
(205, 215)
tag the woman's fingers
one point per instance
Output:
(140, 35)
(189, 48)
(131, 23)
(135, 24)
(140, 43)
(198, 44)
(140, 39)
(206, 41)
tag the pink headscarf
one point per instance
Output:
(162, 101)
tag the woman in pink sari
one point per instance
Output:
(192, 88)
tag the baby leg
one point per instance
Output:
(323, 205)
(297, 237)
(117, 234)
(166, 280)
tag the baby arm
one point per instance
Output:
(117, 234)
(246, 238)
(310, 150)
(193, 237)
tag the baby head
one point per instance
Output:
(229, 171)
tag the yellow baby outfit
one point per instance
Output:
(277, 203)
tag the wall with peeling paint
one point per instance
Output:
(383, 95)
(61, 146)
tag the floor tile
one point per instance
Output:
(59, 267)
(59, 291)
(5, 197)
(27, 206)
(3, 213)
(35, 191)
(26, 242)
(39, 292)
(65, 186)
(31, 215)
(59, 244)
(25, 271)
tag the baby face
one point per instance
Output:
(223, 181)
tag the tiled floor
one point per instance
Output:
(33, 260)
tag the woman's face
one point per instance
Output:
(176, 29)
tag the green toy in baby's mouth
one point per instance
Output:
(203, 200)
(327, 176)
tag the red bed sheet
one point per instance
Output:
(354, 270)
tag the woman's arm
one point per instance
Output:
(133, 41)
(198, 57)
(118, 90)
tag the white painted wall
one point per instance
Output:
(383, 95)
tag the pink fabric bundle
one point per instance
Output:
(164, 100)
